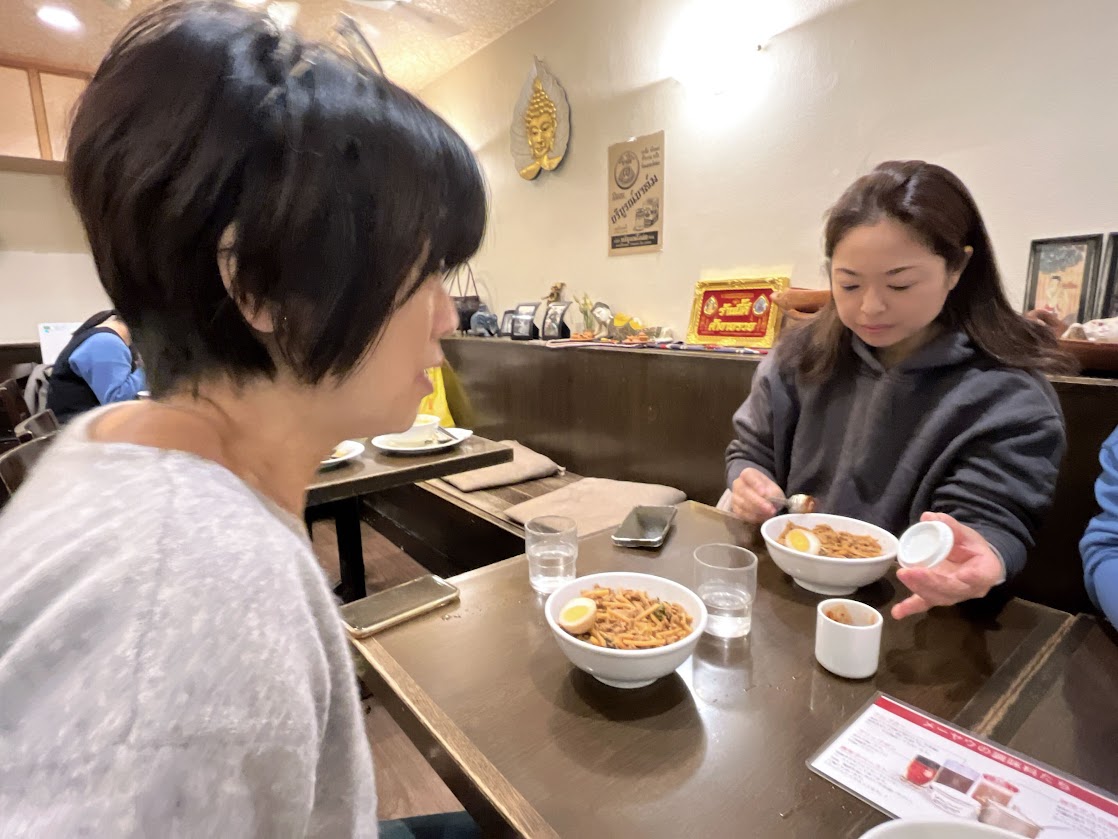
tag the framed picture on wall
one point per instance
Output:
(1063, 275)
(736, 313)
(1107, 306)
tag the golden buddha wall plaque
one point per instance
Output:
(541, 124)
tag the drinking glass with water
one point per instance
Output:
(726, 580)
(551, 543)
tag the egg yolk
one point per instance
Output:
(801, 540)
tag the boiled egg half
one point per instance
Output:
(804, 541)
(578, 615)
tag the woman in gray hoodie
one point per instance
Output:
(916, 393)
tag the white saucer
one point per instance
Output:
(388, 443)
(350, 450)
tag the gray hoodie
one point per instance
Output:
(947, 430)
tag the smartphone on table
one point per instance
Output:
(379, 611)
(645, 527)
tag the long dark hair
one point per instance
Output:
(934, 204)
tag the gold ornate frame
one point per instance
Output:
(776, 284)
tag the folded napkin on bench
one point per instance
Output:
(526, 465)
(595, 504)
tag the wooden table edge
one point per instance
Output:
(369, 484)
(475, 775)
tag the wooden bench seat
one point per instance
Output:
(490, 504)
(449, 531)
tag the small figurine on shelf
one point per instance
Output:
(556, 293)
(603, 316)
(483, 323)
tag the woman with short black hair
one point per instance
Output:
(273, 222)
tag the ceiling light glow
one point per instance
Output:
(59, 18)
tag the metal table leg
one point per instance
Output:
(351, 558)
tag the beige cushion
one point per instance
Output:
(595, 504)
(526, 465)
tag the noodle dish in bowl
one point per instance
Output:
(832, 555)
(626, 629)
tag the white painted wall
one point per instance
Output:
(1016, 96)
(46, 271)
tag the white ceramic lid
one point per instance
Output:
(925, 545)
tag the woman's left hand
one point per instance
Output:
(970, 570)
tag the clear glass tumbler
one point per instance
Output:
(551, 543)
(726, 580)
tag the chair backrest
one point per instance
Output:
(13, 410)
(42, 424)
(35, 391)
(15, 465)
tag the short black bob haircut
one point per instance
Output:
(343, 192)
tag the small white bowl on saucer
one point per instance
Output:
(627, 668)
(823, 574)
(423, 432)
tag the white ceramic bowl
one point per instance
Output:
(627, 668)
(824, 574)
(936, 829)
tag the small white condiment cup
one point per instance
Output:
(848, 650)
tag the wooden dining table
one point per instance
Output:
(534, 747)
(336, 492)
(1064, 714)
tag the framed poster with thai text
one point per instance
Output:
(635, 179)
(736, 313)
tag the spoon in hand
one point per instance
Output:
(794, 504)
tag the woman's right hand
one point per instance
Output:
(750, 494)
(1047, 318)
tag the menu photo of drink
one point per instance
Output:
(911, 765)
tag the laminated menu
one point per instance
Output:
(911, 765)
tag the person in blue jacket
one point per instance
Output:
(96, 367)
(1100, 543)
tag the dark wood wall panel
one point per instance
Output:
(659, 417)
(16, 360)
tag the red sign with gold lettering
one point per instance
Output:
(736, 313)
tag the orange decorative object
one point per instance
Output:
(736, 313)
(802, 303)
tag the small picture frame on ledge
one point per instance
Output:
(506, 323)
(1107, 306)
(523, 327)
(554, 326)
(1062, 278)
